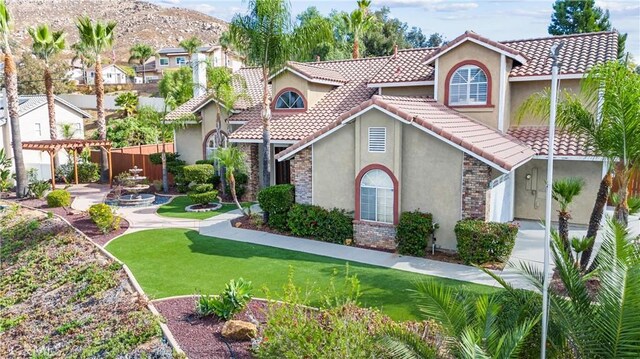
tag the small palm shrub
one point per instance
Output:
(482, 242)
(335, 226)
(103, 217)
(236, 295)
(276, 201)
(58, 198)
(36, 188)
(414, 232)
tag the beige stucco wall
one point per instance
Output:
(432, 173)
(529, 205)
(520, 91)
(334, 170)
(490, 59)
(312, 92)
(389, 158)
(189, 143)
(209, 120)
(408, 91)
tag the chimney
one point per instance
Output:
(395, 50)
(199, 66)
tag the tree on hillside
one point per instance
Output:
(30, 81)
(270, 37)
(81, 53)
(96, 38)
(385, 33)
(358, 22)
(178, 85)
(191, 45)
(11, 85)
(46, 45)
(141, 53)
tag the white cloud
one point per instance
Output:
(170, 2)
(430, 5)
(631, 7)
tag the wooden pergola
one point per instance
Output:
(74, 146)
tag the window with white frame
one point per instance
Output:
(164, 61)
(376, 197)
(181, 60)
(468, 86)
(290, 100)
(38, 129)
(214, 142)
(377, 139)
(78, 127)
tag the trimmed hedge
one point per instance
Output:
(414, 233)
(276, 201)
(482, 242)
(335, 226)
(203, 198)
(58, 198)
(198, 173)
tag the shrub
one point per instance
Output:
(58, 198)
(206, 162)
(174, 163)
(38, 188)
(276, 201)
(157, 184)
(414, 232)
(198, 173)
(234, 297)
(203, 198)
(334, 226)
(481, 242)
(88, 172)
(102, 215)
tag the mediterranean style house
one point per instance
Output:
(111, 74)
(432, 129)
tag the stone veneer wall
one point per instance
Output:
(476, 176)
(374, 235)
(301, 175)
(253, 170)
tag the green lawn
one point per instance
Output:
(175, 209)
(170, 262)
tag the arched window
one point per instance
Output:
(213, 142)
(468, 86)
(290, 100)
(376, 197)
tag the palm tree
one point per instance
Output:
(141, 53)
(357, 23)
(80, 53)
(46, 45)
(614, 132)
(191, 45)
(97, 38)
(270, 39)
(563, 191)
(233, 160)
(11, 84)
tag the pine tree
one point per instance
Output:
(576, 17)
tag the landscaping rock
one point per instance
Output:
(239, 330)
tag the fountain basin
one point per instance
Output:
(142, 199)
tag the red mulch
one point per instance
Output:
(78, 219)
(200, 337)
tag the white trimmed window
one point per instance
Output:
(181, 60)
(290, 100)
(164, 61)
(377, 139)
(468, 86)
(38, 129)
(376, 197)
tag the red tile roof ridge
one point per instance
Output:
(559, 36)
(473, 35)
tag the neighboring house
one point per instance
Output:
(432, 129)
(112, 75)
(34, 126)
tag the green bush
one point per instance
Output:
(102, 215)
(198, 173)
(87, 172)
(414, 233)
(236, 295)
(276, 201)
(38, 188)
(203, 198)
(58, 198)
(482, 242)
(279, 221)
(201, 187)
(206, 162)
(174, 163)
(334, 226)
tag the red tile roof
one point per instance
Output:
(407, 66)
(565, 143)
(515, 53)
(316, 72)
(476, 138)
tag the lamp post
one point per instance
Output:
(555, 66)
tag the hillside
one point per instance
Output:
(138, 21)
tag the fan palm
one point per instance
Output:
(11, 84)
(357, 23)
(141, 53)
(96, 38)
(191, 45)
(46, 45)
(270, 39)
(563, 191)
(233, 160)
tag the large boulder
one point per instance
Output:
(239, 330)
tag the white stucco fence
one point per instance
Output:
(88, 102)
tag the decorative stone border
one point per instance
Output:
(216, 206)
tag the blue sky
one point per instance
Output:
(496, 19)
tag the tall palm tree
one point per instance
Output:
(191, 45)
(564, 191)
(141, 53)
(222, 83)
(358, 22)
(11, 84)
(46, 45)
(270, 39)
(97, 38)
(233, 160)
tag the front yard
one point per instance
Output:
(171, 262)
(175, 209)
